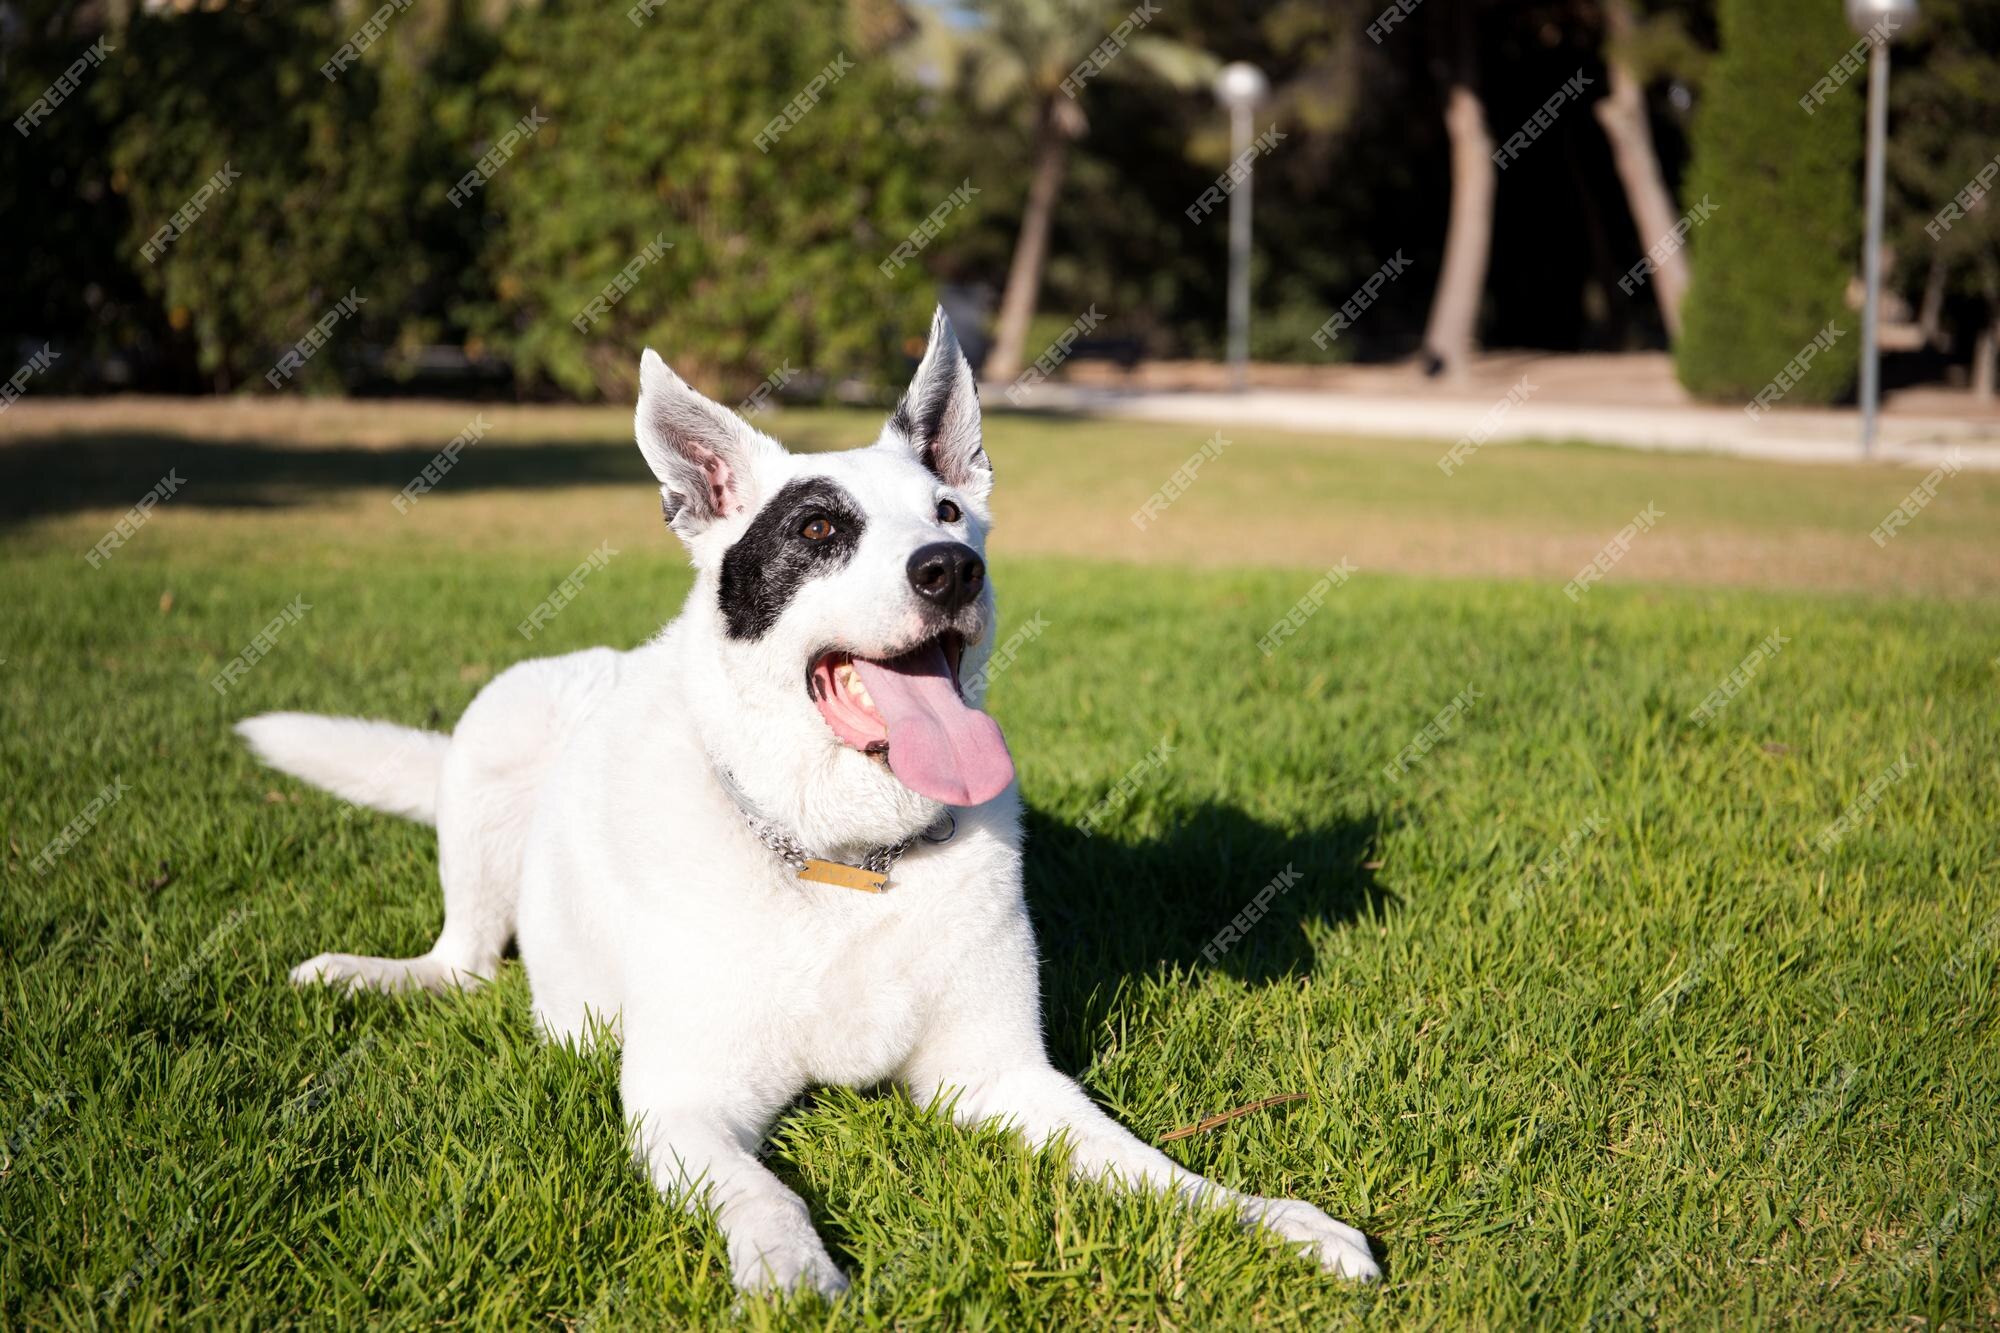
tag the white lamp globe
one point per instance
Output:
(1896, 16)
(1240, 84)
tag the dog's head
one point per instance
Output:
(845, 601)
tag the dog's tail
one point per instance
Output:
(377, 764)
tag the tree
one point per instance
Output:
(720, 183)
(68, 284)
(1451, 333)
(1622, 113)
(292, 190)
(1944, 126)
(1771, 267)
(1026, 52)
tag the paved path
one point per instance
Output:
(1379, 406)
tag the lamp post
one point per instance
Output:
(1879, 20)
(1240, 86)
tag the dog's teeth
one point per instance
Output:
(850, 684)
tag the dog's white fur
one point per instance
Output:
(578, 809)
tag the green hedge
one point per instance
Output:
(1771, 266)
(230, 177)
(658, 133)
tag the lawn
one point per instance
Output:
(1599, 1010)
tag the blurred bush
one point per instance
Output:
(339, 182)
(343, 183)
(774, 254)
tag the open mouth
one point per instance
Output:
(909, 710)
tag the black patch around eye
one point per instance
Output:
(768, 564)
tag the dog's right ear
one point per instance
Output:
(709, 460)
(939, 416)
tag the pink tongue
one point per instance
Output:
(938, 746)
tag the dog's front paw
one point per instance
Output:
(786, 1267)
(1339, 1248)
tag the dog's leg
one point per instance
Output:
(697, 1127)
(480, 825)
(1037, 1101)
(477, 921)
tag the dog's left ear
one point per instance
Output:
(939, 416)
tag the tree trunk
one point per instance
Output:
(1453, 327)
(1985, 358)
(1930, 316)
(1024, 274)
(1622, 113)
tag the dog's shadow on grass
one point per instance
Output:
(1107, 910)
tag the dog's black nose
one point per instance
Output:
(947, 574)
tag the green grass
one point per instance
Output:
(1700, 1073)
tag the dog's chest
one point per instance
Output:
(862, 1005)
(868, 973)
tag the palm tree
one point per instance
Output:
(1451, 333)
(1023, 53)
(1633, 49)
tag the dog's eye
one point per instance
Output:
(816, 530)
(948, 512)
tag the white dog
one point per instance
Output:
(775, 846)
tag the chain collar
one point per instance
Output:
(793, 852)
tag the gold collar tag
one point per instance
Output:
(846, 876)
